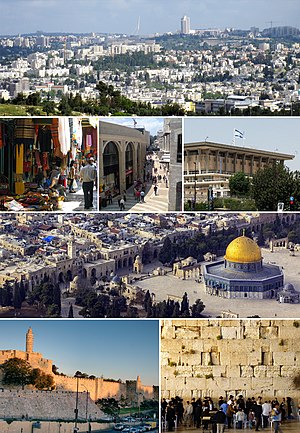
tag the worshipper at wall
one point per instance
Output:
(266, 410)
(188, 415)
(276, 418)
(220, 419)
(170, 416)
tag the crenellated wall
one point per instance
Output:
(221, 357)
(98, 388)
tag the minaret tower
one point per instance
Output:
(29, 341)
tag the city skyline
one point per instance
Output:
(269, 134)
(103, 347)
(140, 16)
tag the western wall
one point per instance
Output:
(222, 357)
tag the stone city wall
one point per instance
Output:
(98, 388)
(222, 357)
(35, 359)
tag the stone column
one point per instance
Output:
(122, 164)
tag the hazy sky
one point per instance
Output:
(22, 16)
(112, 348)
(152, 124)
(273, 133)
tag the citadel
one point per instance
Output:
(97, 388)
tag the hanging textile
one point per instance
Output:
(24, 132)
(1, 136)
(64, 135)
(19, 158)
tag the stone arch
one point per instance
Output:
(61, 278)
(84, 273)
(94, 273)
(69, 275)
(111, 165)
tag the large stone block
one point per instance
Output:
(195, 383)
(289, 371)
(269, 332)
(233, 371)
(254, 358)
(211, 332)
(252, 332)
(284, 358)
(186, 334)
(229, 333)
(247, 371)
(168, 331)
(273, 371)
(289, 332)
(260, 371)
(240, 383)
(234, 358)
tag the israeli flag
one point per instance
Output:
(238, 133)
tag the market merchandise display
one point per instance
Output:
(40, 160)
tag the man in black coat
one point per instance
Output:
(257, 409)
(219, 419)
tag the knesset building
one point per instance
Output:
(242, 273)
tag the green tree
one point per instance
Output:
(168, 252)
(239, 184)
(110, 406)
(42, 380)
(272, 185)
(16, 371)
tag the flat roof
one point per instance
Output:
(230, 147)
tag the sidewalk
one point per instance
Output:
(152, 203)
(75, 202)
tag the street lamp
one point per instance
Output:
(76, 405)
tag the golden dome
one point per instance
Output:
(243, 250)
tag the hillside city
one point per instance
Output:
(207, 71)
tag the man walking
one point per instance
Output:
(88, 175)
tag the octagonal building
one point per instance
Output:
(242, 273)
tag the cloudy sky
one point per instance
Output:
(79, 16)
(276, 134)
(112, 348)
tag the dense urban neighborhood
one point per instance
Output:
(193, 71)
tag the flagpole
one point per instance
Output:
(234, 137)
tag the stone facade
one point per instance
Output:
(122, 153)
(208, 164)
(222, 357)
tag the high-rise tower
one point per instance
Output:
(29, 341)
(185, 25)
